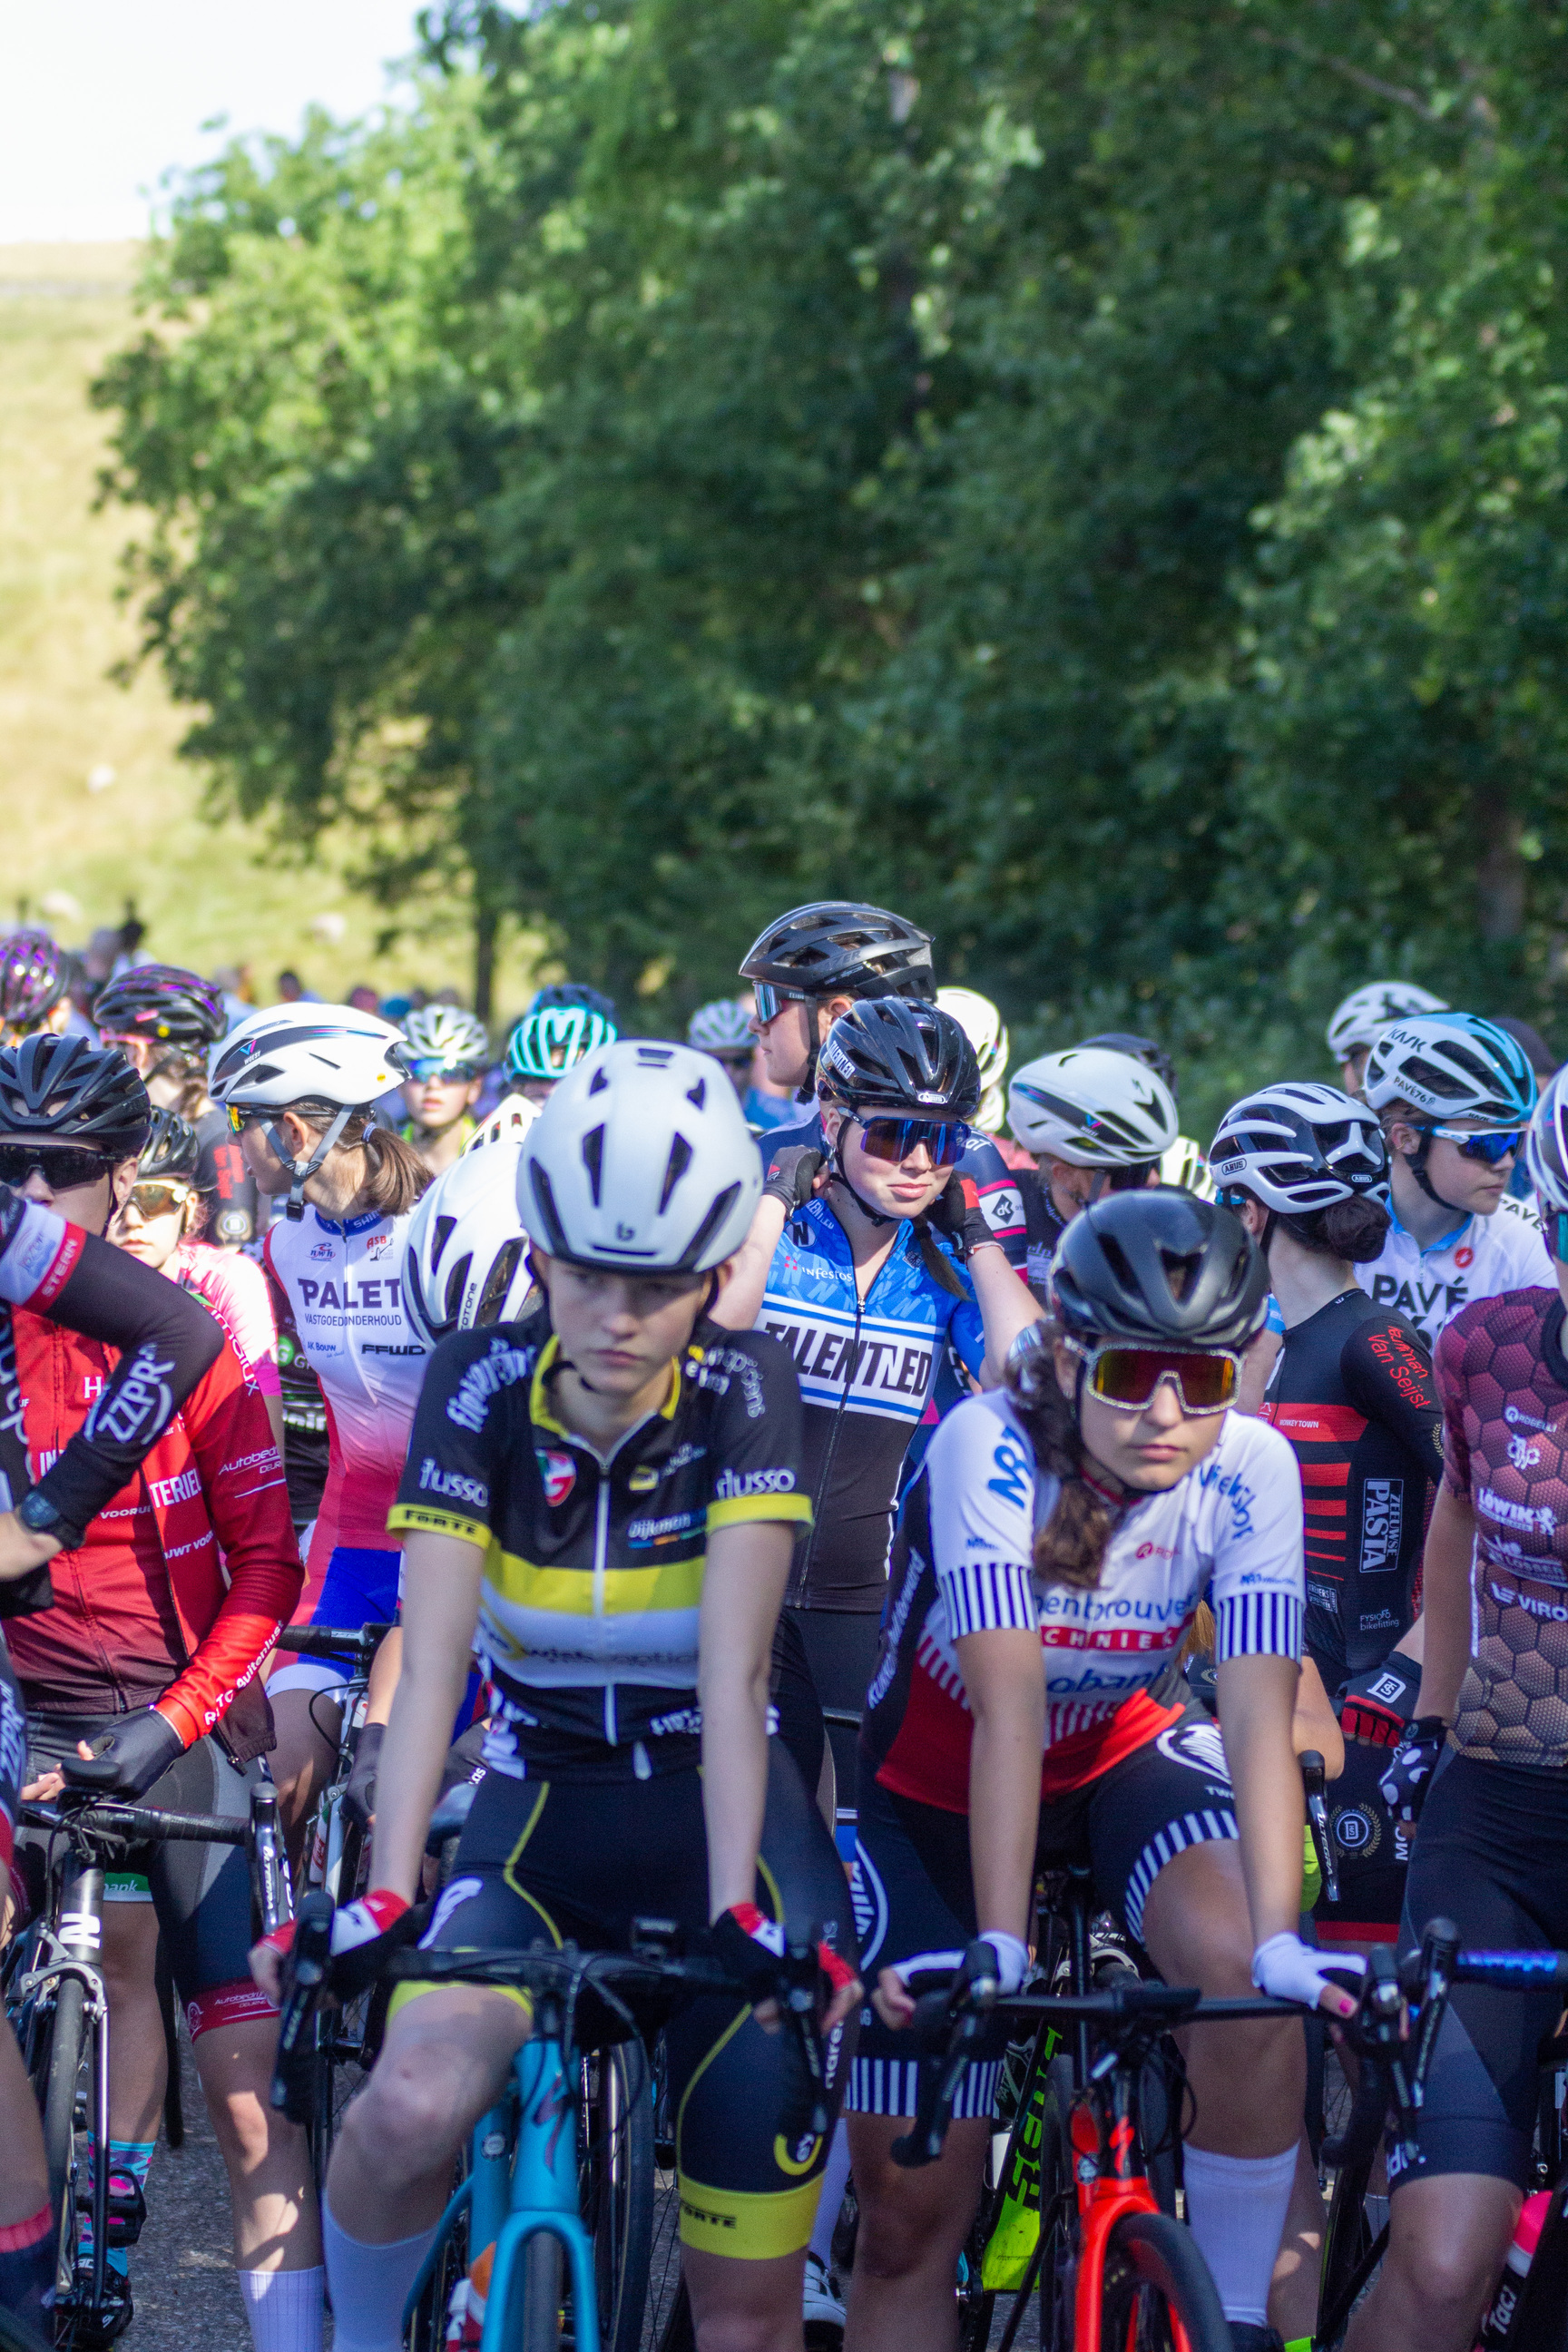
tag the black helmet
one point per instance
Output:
(166, 1004)
(73, 1092)
(34, 976)
(840, 948)
(170, 1149)
(911, 1059)
(568, 995)
(1141, 1049)
(1160, 1268)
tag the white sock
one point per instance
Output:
(370, 2284)
(284, 2308)
(1236, 2207)
(832, 2196)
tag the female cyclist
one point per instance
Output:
(161, 1222)
(165, 1020)
(630, 1764)
(1073, 1521)
(879, 1259)
(298, 1084)
(1360, 1019)
(143, 1676)
(551, 1039)
(1455, 1094)
(448, 1054)
(1485, 1767)
(1094, 1120)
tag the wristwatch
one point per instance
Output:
(39, 1515)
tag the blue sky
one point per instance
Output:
(98, 97)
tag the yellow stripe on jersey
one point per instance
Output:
(738, 1510)
(569, 1592)
(438, 1523)
(539, 1410)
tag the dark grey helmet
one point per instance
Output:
(840, 947)
(913, 1060)
(1160, 1268)
(73, 1092)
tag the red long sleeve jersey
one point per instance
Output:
(177, 1594)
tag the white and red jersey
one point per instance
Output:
(1483, 1257)
(963, 1563)
(235, 1290)
(344, 1282)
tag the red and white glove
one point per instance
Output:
(751, 1947)
(372, 1920)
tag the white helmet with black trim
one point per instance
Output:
(1546, 1147)
(465, 1261)
(1092, 1108)
(642, 1161)
(1452, 1066)
(986, 1031)
(723, 1027)
(1366, 1012)
(289, 1054)
(508, 1123)
(445, 1034)
(1298, 1147)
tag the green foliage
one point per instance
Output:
(1089, 476)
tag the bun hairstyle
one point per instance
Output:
(1355, 1230)
(1070, 1548)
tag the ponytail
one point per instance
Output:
(1070, 1548)
(394, 1175)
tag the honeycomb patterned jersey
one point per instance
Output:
(1503, 1381)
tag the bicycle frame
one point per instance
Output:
(68, 1942)
(1112, 2179)
(523, 2184)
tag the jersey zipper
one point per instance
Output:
(601, 1556)
(801, 1584)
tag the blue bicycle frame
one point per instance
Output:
(523, 2184)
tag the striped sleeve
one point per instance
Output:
(1260, 1586)
(1257, 1624)
(988, 1596)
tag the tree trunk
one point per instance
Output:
(487, 923)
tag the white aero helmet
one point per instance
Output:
(1367, 1011)
(1546, 1153)
(444, 1038)
(465, 1261)
(1452, 1066)
(508, 1123)
(1298, 1147)
(987, 1033)
(291, 1054)
(1092, 1108)
(641, 1160)
(723, 1027)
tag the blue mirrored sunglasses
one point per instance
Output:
(1489, 1148)
(772, 1000)
(433, 1066)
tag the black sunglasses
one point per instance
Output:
(62, 1166)
(772, 1000)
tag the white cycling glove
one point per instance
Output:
(1012, 1957)
(1288, 1969)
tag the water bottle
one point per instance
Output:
(1497, 2327)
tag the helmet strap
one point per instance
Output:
(839, 1176)
(1416, 1164)
(302, 1169)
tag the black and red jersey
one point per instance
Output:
(1352, 1389)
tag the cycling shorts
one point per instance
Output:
(360, 1588)
(914, 1893)
(13, 1752)
(1490, 1855)
(201, 1892)
(822, 1657)
(582, 1860)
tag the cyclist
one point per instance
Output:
(298, 1085)
(161, 1222)
(1304, 1167)
(165, 1020)
(723, 1029)
(1182, 1162)
(1485, 1767)
(166, 1344)
(1093, 1119)
(143, 1676)
(880, 1256)
(1074, 1520)
(448, 1054)
(34, 986)
(1455, 1094)
(551, 1039)
(1359, 1020)
(986, 1031)
(630, 1766)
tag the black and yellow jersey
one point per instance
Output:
(594, 1568)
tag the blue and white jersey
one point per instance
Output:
(993, 1179)
(866, 1370)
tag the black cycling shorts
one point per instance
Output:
(1491, 1854)
(580, 1861)
(914, 1892)
(822, 1657)
(201, 1892)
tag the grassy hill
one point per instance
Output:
(77, 849)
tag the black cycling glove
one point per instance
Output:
(1404, 1785)
(792, 1175)
(358, 1790)
(957, 1215)
(128, 1760)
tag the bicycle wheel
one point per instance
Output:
(1154, 2278)
(62, 2070)
(536, 2299)
(615, 2187)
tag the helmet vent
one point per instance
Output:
(1119, 1262)
(544, 1198)
(443, 1235)
(697, 1095)
(597, 1083)
(594, 1160)
(1181, 1270)
(679, 1161)
(455, 1282)
(710, 1225)
(499, 1281)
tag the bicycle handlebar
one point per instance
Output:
(146, 1822)
(330, 1641)
(1314, 1784)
